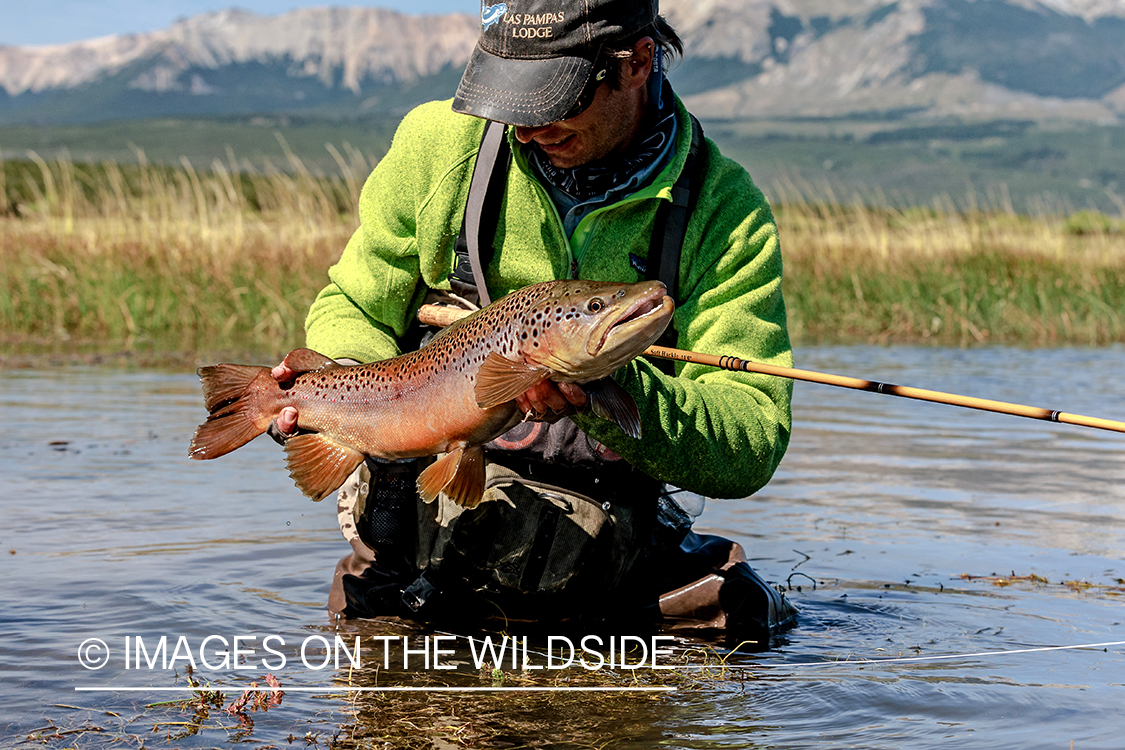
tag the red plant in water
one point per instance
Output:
(254, 699)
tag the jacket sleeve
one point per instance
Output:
(399, 250)
(711, 431)
(361, 313)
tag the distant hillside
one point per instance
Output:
(976, 59)
(326, 60)
(966, 58)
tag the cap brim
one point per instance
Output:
(529, 93)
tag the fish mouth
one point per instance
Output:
(646, 317)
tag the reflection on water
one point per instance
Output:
(881, 505)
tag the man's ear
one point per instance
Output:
(638, 67)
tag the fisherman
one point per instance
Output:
(594, 170)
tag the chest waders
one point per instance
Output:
(569, 530)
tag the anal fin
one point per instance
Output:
(318, 464)
(467, 487)
(459, 473)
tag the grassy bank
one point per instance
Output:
(159, 258)
(856, 273)
(155, 258)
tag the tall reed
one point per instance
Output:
(858, 269)
(173, 257)
(231, 256)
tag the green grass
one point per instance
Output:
(157, 258)
(861, 273)
(984, 296)
(167, 259)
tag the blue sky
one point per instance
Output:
(57, 21)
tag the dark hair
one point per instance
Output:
(622, 49)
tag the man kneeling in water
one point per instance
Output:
(584, 164)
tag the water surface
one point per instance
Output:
(879, 509)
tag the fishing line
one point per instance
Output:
(905, 659)
(864, 662)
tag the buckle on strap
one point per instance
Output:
(415, 596)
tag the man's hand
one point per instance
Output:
(283, 373)
(549, 398)
(285, 425)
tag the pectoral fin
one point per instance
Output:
(610, 401)
(459, 473)
(500, 379)
(318, 464)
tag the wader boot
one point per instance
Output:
(731, 598)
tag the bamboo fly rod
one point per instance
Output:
(443, 316)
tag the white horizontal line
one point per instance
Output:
(389, 689)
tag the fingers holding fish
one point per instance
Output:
(549, 396)
(283, 373)
(286, 421)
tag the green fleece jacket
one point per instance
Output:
(714, 432)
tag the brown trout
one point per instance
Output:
(451, 396)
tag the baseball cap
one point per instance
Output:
(534, 57)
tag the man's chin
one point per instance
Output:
(564, 154)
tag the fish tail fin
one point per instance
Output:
(239, 399)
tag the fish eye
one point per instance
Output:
(595, 305)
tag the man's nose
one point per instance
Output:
(525, 135)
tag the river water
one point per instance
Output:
(879, 510)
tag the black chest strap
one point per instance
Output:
(668, 231)
(670, 224)
(482, 211)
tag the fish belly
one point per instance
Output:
(415, 417)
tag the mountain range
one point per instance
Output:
(744, 59)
